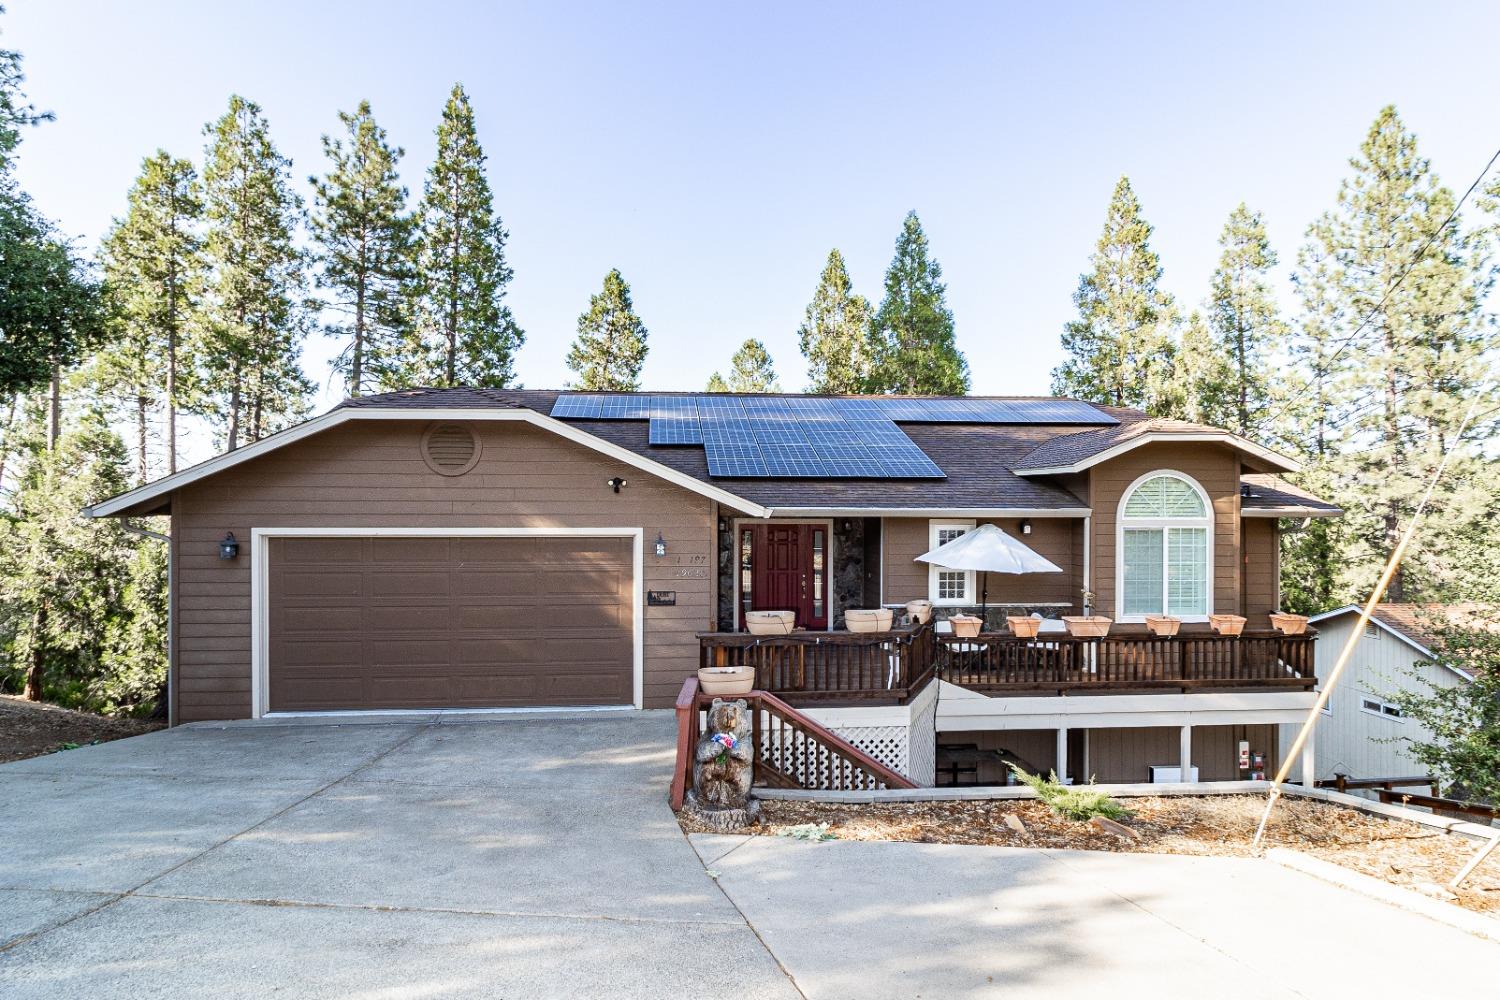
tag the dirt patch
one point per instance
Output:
(30, 729)
(1402, 853)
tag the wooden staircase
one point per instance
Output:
(791, 750)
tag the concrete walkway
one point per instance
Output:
(886, 920)
(420, 857)
(533, 857)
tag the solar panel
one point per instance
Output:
(812, 436)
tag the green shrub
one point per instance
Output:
(1077, 802)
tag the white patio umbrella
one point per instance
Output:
(988, 550)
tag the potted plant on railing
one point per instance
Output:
(1289, 624)
(869, 619)
(1227, 624)
(1087, 626)
(770, 622)
(1163, 625)
(966, 626)
(1023, 626)
(920, 611)
(726, 680)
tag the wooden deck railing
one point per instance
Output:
(791, 750)
(829, 666)
(1000, 663)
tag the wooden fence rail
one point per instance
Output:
(829, 666)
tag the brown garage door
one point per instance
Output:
(369, 623)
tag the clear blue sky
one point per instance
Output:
(715, 152)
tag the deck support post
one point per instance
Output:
(1309, 766)
(1062, 756)
(1185, 755)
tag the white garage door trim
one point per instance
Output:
(260, 623)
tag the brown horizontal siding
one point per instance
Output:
(1216, 469)
(905, 538)
(1126, 755)
(1260, 540)
(371, 474)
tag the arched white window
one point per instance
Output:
(1165, 548)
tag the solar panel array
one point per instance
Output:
(812, 437)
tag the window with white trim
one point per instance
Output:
(948, 586)
(1165, 548)
(1380, 707)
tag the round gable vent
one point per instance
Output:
(450, 449)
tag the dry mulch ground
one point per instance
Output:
(30, 729)
(1405, 854)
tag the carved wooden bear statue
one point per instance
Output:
(723, 764)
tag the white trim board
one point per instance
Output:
(960, 709)
(919, 512)
(260, 582)
(1269, 513)
(334, 418)
(1280, 462)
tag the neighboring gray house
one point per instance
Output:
(1361, 732)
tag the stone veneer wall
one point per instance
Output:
(848, 567)
(724, 532)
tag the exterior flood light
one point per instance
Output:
(661, 545)
(229, 548)
(615, 483)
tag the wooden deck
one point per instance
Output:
(890, 667)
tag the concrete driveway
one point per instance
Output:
(422, 857)
(535, 857)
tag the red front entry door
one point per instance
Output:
(788, 571)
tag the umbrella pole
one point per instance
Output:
(984, 600)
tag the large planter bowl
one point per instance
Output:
(869, 620)
(726, 680)
(966, 626)
(920, 611)
(1227, 624)
(1087, 626)
(1289, 624)
(770, 622)
(1024, 626)
(1164, 625)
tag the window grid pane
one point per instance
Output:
(952, 585)
(1187, 571)
(1143, 571)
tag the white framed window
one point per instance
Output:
(1379, 706)
(1165, 549)
(948, 586)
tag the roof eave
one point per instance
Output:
(1006, 512)
(1276, 462)
(1279, 512)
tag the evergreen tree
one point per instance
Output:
(153, 270)
(835, 334)
(466, 334)
(256, 314)
(62, 575)
(363, 238)
(1418, 353)
(1246, 322)
(750, 370)
(1120, 347)
(1202, 386)
(912, 334)
(611, 344)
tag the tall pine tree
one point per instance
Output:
(466, 334)
(912, 334)
(153, 270)
(611, 344)
(750, 370)
(835, 333)
(256, 314)
(1417, 354)
(363, 239)
(1246, 323)
(1121, 345)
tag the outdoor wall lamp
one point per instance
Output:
(229, 548)
(1025, 527)
(615, 483)
(661, 545)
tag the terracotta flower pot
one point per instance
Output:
(920, 611)
(1227, 624)
(966, 626)
(770, 622)
(726, 680)
(1024, 626)
(1163, 624)
(869, 620)
(1290, 624)
(1087, 626)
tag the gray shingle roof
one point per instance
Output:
(1267, 492)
